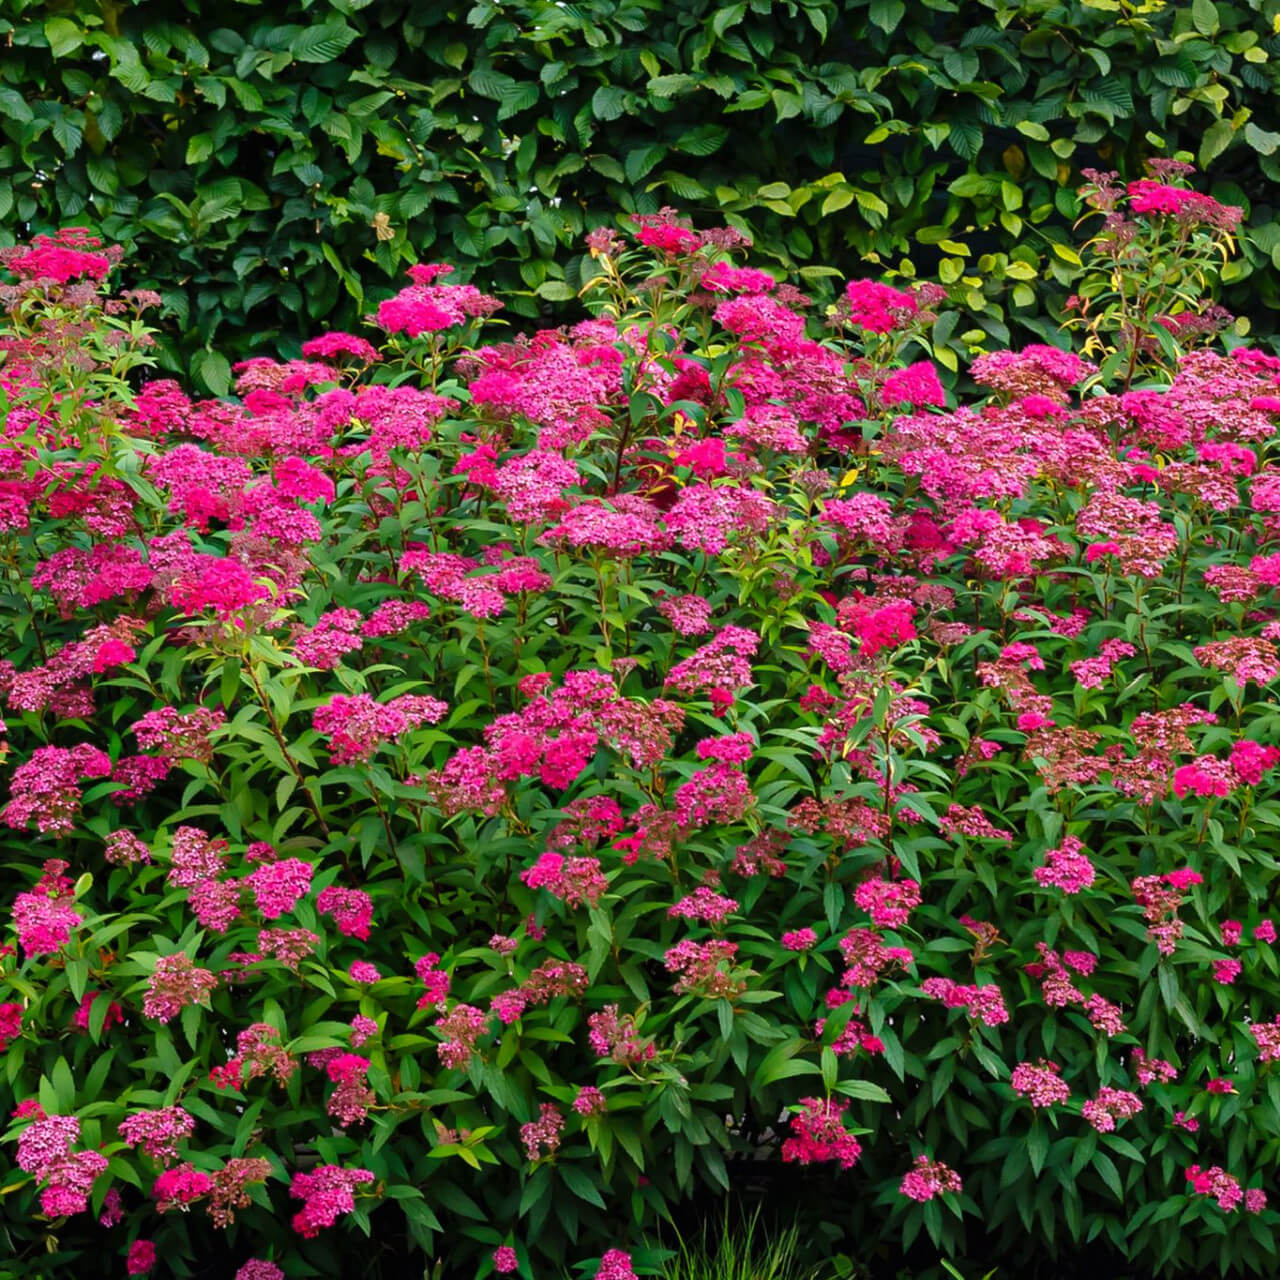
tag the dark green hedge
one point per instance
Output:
(269, 164)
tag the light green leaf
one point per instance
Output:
(1217, 138)
(63, 35)
(836, 200)
(1263, 141)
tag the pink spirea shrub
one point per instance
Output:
(470, 784)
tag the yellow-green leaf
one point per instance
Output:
(837, 200)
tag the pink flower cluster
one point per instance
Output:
(327, 1192)
(1244, 658)
(425, 307)
(590, 1101)
(1160, 898)
(58, 259)
(1109, 1106)
(718, 668)
(357, 726)
(277, 886)
(704, 967)
(541, 1137)
(350, 1101)
(866, 955)
(461, 1027)
(1148, 1070)
(179, 1187)
(705, 905)
(1066, 867)
(572, 880)
(44, 792)
(971, 822)
(614, 1036)
(888, 902)
(259, 1052)
(158, 1132)
(983, 1004)
(176, 982)
(1090, 672)
(929, 1178)
(45, 1150)
(480, 588)
(553, 739)
(818, 1134)
(44, 916)
(1217, 1183)
(1267, 1037)
(433, 978)
(351, 909)
(1040, 1083)
(141, 1258)
(879, 308)
(799, 940)
(10, 1024)
(615, 1265)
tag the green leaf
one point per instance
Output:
(1217, 138)
(970, 185)
(1263, 141)
(608, 102)
(671, 86)
(609, 168)
(488, 82)
(64, 1086)
(681, 185)
(1112, 94)
(864, 1089)
(102, 173)
(14, 106)
(199, 147)
(966, 138)
(324, 43)
(786, 105)
(67, 133)
(350, 281)
(780, 1063)
(836, 200)
(77, 977)
(886, 14)
(1037, 1146)
(702, 140)
(213, 369)
(728, 16)
(640, 161)
(63, 35)
(1204, 16)
(580, 1184)
(1110, 1175)
(870, 203)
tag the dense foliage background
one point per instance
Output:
(271, 166)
